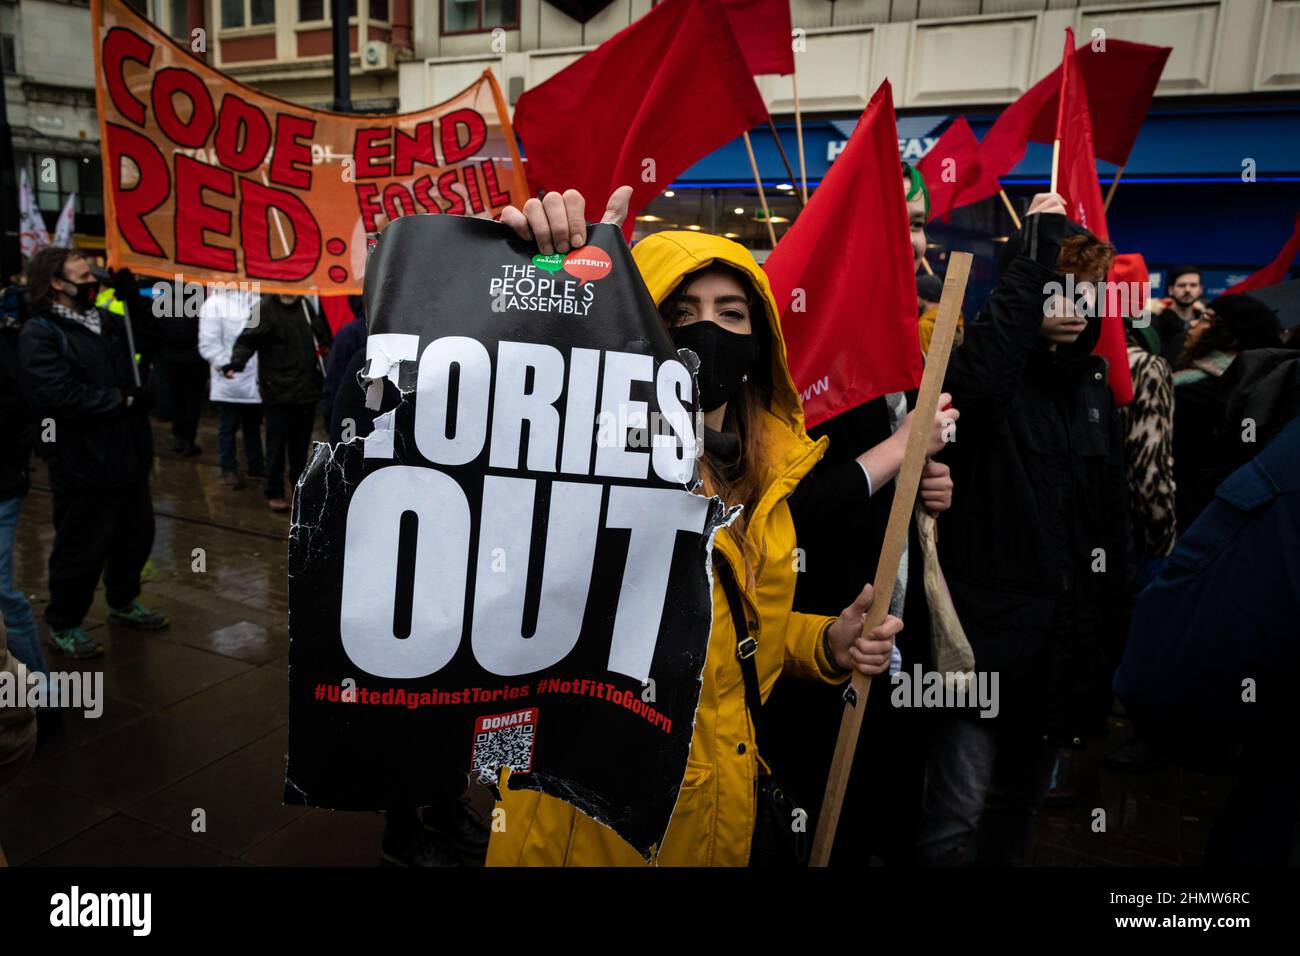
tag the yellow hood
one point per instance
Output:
(713, 820)
(665, 258)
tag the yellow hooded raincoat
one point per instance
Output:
(713, 820)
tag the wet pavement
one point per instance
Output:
(196, 718)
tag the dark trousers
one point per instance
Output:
(882, 802)
(157, 383)
(983, 788)
(106, 531)
(233, 417)
(187, 383)
(288, 435)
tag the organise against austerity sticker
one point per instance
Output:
(551, 262)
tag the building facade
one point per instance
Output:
(1230, 93)
(50, 99)
(1229, 98)
(282, 47)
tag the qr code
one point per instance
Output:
(504, 740)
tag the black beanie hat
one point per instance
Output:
(929, 287)
(1252, 323)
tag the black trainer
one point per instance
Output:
(406, 843)
(463, 829)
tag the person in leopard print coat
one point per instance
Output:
(1149, 458)
(1148, 429)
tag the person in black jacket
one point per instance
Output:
(1036, 547)
(289, 338)
(348, 341)
(1173, 317)
(15, 464)
(77, 369)
(840, 511)
(1207, 447)
(185, 374)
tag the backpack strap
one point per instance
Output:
(746, 647)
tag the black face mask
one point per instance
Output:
(86, 294)
(725, 359)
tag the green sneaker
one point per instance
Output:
(76, 643)
(137, 616)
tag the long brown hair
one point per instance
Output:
(741, 482)
(46, 266)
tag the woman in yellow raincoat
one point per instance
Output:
(716, 301)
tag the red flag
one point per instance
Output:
(1004, 144)
(1077, 183)
(762, 28)
(641, 107)
(1076, 171)
(844, 278)
(952, 170)
(1121, 81)
(1275, 271)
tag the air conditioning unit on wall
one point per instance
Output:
(377, 55)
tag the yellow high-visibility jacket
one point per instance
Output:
(713, 821)
(107, 299)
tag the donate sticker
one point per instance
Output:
(552, 263)
(587, 264)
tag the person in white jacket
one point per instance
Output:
(223, 316)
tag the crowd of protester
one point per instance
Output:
(1059, 540)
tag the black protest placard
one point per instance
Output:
(510, 571)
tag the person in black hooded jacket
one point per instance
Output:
(1036, 548)
(92, 412)
(289, 338)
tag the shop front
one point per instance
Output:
(1216, 185)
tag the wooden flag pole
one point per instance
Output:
(1006, 201)
(785, 160)
(1110, 193)
(925, 264)
(900, 515)
(1056, 161)
(762, 196)
(798, 132)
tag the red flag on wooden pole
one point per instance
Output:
(1074, 172)
(641, 107)
(1121, 80)
(844, 278)
(1074, 175)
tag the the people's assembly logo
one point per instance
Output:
(551, 283)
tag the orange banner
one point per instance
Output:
(209, 179)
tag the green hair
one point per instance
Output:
(916, 184)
